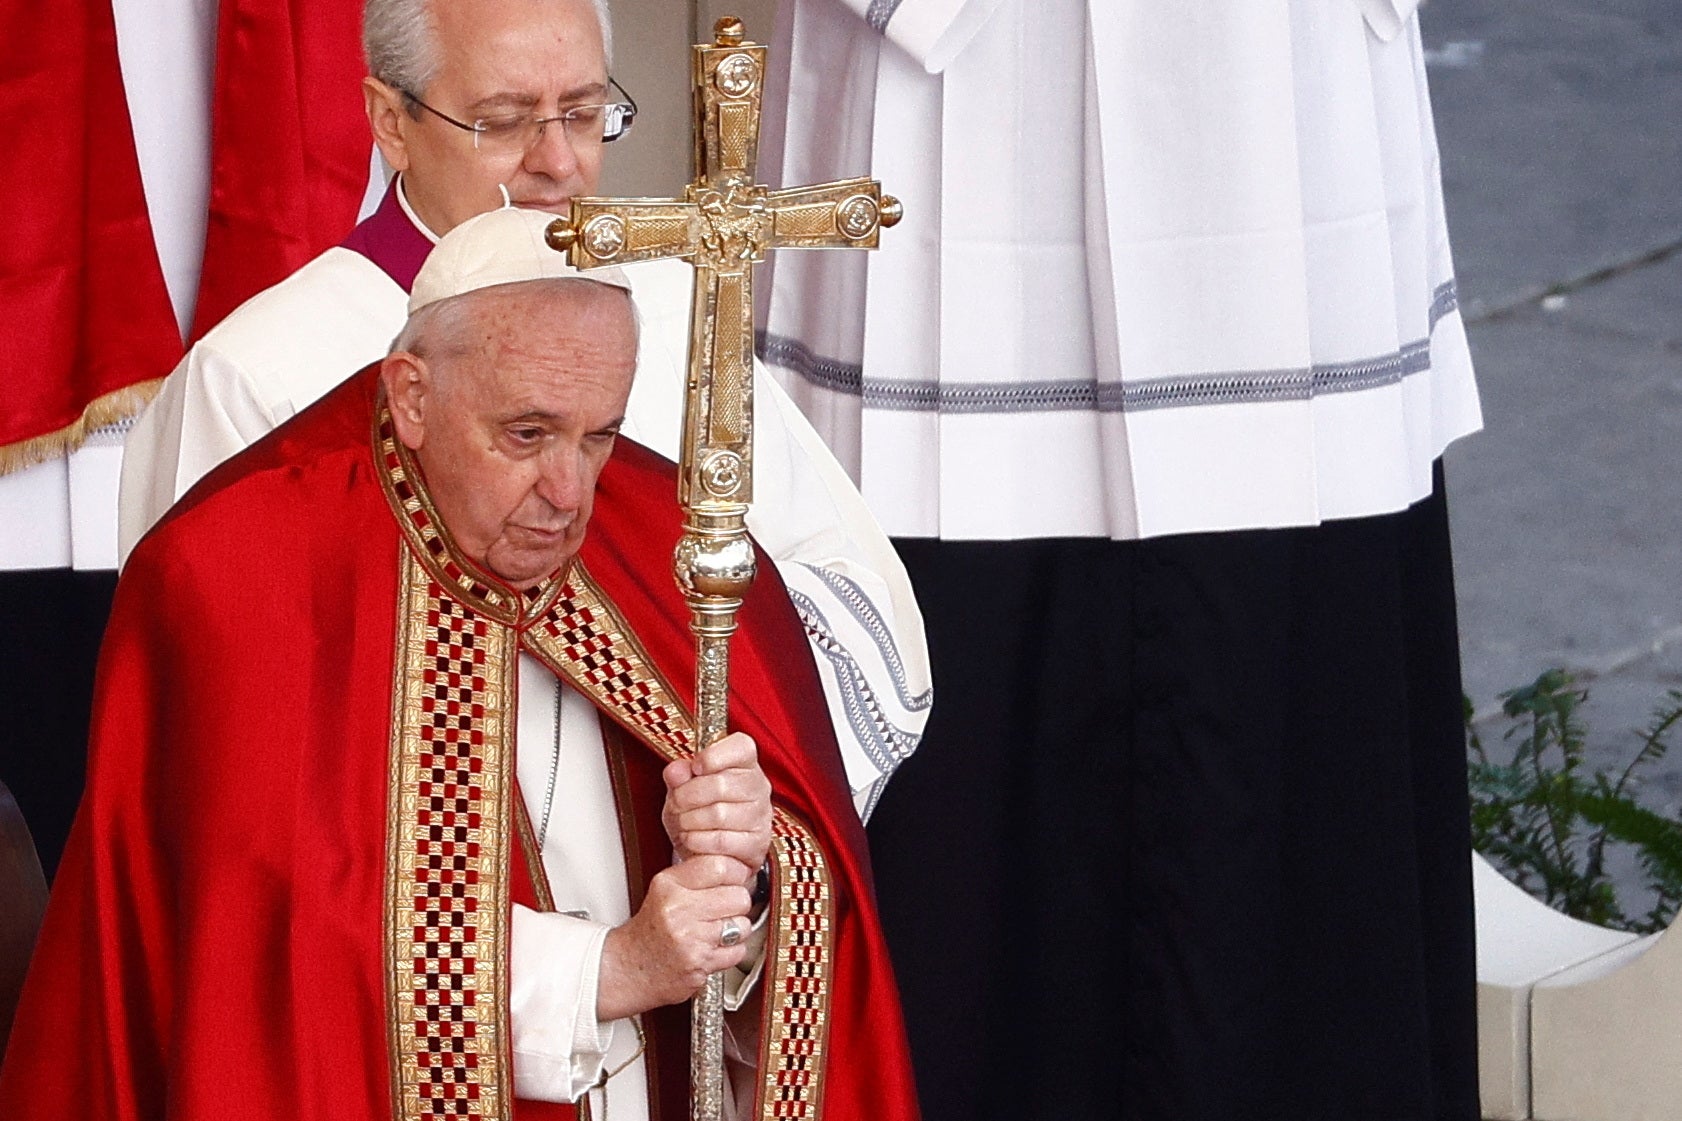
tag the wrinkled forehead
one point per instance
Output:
(556, 306)
(563, 308)
(497, 335)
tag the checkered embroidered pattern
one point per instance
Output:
(583, 639)
(798, 972)
(448, 835)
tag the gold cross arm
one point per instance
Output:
(715, 228)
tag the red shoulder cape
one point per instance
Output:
(214, 943)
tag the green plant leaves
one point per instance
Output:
(1545, 819)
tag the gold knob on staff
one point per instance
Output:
(729, 31)
(560, 235)
(889, 211)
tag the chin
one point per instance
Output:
(526, 569)
(524, 582)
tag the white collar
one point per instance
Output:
(403, 201)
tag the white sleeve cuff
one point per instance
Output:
(740, 979)
(872, 665)
(554, 967)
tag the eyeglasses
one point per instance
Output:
(517, 132)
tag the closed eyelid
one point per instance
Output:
(576, 113)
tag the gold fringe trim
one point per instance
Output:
(108, 409)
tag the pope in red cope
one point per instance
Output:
(392, 755)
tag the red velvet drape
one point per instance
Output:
(87, 315)
(289, 144)
(85, 310)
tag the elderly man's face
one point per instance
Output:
(512, 434)
(499, 58)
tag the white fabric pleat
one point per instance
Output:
(1164, 268)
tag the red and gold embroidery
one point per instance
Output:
(583, 639)
(448, 856)
(796, 1022)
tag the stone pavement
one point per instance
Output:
(1560, 124)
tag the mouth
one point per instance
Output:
(545, 536)
(557, 205)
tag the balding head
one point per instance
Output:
(510, 397)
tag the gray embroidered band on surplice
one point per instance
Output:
(1084, 395)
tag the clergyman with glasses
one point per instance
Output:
(497, 102)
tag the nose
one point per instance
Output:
(553, 154)
(560, 480)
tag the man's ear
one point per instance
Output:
(388, 117)
(408, 390)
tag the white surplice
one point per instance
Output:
(1165, 267)
(561, 1051)
(289, 345)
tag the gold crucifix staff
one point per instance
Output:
(723, 225)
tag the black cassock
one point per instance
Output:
(1187, 838)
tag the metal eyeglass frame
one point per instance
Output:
(627, 114)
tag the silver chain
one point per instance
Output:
(554, 768)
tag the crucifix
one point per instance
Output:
(723, 225)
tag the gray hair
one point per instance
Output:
(400, 42)
(440, 331)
